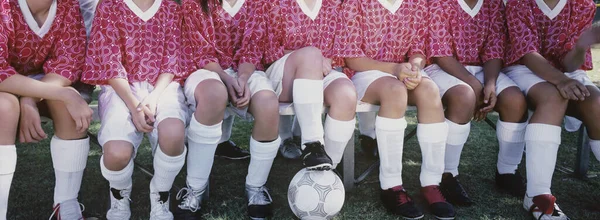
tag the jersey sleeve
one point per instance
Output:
(104, 60)
(6, 70)
(421, 16)
(581, 19)
(496, 37)
(351, 38)
(251, 50)
(523, 36)
(198, 34)
(440, 39)
(170, 62)
(274, 35)
(68, 56)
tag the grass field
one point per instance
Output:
(31, 193)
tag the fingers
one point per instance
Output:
(37, 128)
(148, 113)
(78, 123)
(584, 90)
(578, 94)
(27, 137)
(563, 93)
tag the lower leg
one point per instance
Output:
(510, 129)
(340, 96)
(460, 102)
(116, 164)
(9, 109)
(170, 154)
(8, 163)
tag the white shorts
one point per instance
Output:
(362, 80)
(256, 83)
(526, 79)
(276, 70)
(115, 118)
(446, 81)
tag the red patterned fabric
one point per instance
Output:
(122, 45)
(288, 28)
(530, 30)
(61, 51)
(471, 40)
(221, 38)
(374, 31)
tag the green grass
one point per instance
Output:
(31, 194)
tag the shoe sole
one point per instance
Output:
(413, 218)
(320, 167)
(445, 218)
(232, 158)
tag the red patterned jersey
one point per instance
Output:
(472, 35)
(224, 37)
(291, 25)
(534, 27)
(60, 49)
(134, 45)
(383, 31)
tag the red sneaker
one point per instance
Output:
(437, 203)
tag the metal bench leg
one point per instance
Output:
(583, 154)
(348, 165)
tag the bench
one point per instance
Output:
(350, 181)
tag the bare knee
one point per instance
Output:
(307, 63)
(265, 107)
(546, 96)
(460, 101)
(9, 109)
(340, 97)
(308, 54)
(211, 92)
(427, 95)
(511, 105)
(117, 154)
(171, 136)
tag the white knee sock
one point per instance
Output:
(308, 104)
(202, 143)
(457, 137)
(226, 128)
(69, 158)
(432, 139)
(8, 163)
(261, 159)
(285, 126)
(120, 179)
(366, 123)
(595, 145)
(390, 141)
(542, 141)
(166, 169)
(511, 139)
(337, 135)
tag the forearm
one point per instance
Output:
(451, 66)
(542, 68)
(491, 70)
(121, 87)
(574, 59)
(215, 67)
(418, 60)
(361, 64)
(162, 82)
(26, 87)
(246, 70)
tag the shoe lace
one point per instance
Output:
(190, 199)
(261, 196)
(56, 211)
(160, 209)
(122, 204)
(401, 196)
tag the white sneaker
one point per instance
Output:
(544, 207)
(119, 204)
(68, 210)
(159, 209)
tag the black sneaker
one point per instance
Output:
(453, 191)
(259, 202)
(440, 208)
(290, 148)
(397, 201)
(230, 150)
(369, 146)
(314, 157)
(511, 183)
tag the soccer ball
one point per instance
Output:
(316, 194)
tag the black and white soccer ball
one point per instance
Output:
(316, 194)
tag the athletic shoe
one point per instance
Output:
(511, 183)
(191, 203)
(259, 202)
(159, 206)
(290, 148)
(369, 146)
(119, 204)
(437, 203)
(454, 191)
(314, 157)
(397, 201)
(230, 150)
(70, 209)
(543, 207)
